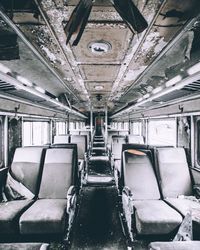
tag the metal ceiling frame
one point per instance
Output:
(165, 91)
(33, 49)
(18, 84)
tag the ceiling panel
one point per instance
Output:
(117, 36)
(99, 86)
(99, 72)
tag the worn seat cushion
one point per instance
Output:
(155, 217)
(10, 213)
(44, 216)
(174, 173)
(185, 205)
(81, 141)
(24, 246)
(139, 176)
(175, 245)
(57, 173)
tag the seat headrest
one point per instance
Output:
(61, 139)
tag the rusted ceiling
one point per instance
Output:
(120, 76)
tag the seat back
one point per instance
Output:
(125, 132)
(60, 171)
(174, 175)
(117, 142)
(74, 132)
(138, 174)
(87, 133)
(26, 167)
(58, 139)
(138, 139)
(81, 141)
(110, 134)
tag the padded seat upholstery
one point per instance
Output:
(26, 169)
(184, 205)
(176, 182)
(117, 142)
(155, 217)
(44, 216)
(81, 141)
(24, 246)
(58, 139)
(175, 245)
(10, 213)
(152, 215)
(173, 172)
(48, 215)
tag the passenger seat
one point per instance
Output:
(26, 170)
(61, 139)
(136, 139)
(175, 181)
(48, 214)
(141, 196)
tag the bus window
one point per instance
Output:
(162, 132)
(61, 128)
(137, 128)
(198, 142)
(35, 133)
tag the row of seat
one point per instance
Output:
(45, 181)
(80, 140)
(155, 185)
(118, 140)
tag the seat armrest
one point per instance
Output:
(80, 165)
(3, 175)
(196, 189)
(71, 191)
(126, 190)
(71, 198)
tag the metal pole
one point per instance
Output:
(68, 121)
(106, 125)
(51, 132)
(91, 124)
(193, 142)
(5, 140)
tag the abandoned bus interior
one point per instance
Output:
(100, 124)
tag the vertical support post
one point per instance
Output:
(193, 141)
(129, 126)
(176, 122)
(5, 140)
(91, 125)
(106, 125)
(22, 131)
(146, 131)
(68, 121)
(51, 132)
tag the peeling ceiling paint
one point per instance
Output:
(128, 70)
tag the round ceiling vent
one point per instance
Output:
(98, 87)
(99, 47)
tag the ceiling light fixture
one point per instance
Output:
(4, 69)
(156, 90)
(194, 69)
(24, 80)
(173, 81)
(13, 81)
(99, 87)
(99, 47)
(41, 90)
